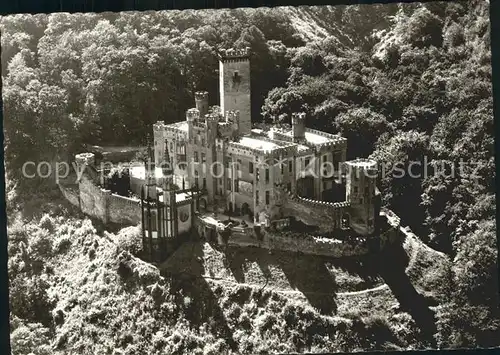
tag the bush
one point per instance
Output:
(47, 223)
(62, 244)
(129, 239)
(40, 244)
(31, 338)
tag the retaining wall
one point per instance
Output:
(124, 210)
(323, 214)
(102, 204)
(93, 199)
(72, 194)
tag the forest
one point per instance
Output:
(404, 83)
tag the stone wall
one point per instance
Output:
(102, 204)
(124, 210)
(304, 244)
(391, 232)
(93, 199)
(317, 245)
(325, 215)
(71, 193)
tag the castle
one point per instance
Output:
(215, 164)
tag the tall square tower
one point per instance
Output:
(234, 85)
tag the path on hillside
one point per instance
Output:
(222, 281)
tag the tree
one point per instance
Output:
(362, 128)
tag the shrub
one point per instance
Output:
(454, 36)
(62, 244)
(129, 239)
(47, 223)
(124, 269)
(30, 339)
(40, 244)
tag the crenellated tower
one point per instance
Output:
(201, 100)
(361, 178)
(159, 141)
(298, 126)
(169, 213)
(150, 178)
(234, 85)
(192, 115)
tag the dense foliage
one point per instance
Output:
(405, 83)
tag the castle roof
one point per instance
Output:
(257, 143)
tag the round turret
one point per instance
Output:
(201, 100)
(87, 159)
(298, 126)
(192, 114)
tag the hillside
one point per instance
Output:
(99, 298)
(405, 84)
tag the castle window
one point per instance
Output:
(203, 159)
(267, 197)
(290, 166)
(236, 186)
(282, 168)
(355, 189)
(236, 77)
(257, 174)
(229, 184)
(202, 142)
(307, 161)
(196, 182)
(171, 146)
(324, 158)
(195, 157)
(256, 197)
(267, 176)
(204, 183)
(361, 200)
(289, 186)
(228, 161)
(250, 167)
(239, 164)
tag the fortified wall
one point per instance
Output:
(98, 202)
(217, 232)
(325, 215)
(111, 208)
(106, 206)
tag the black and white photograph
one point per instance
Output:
(269, 180)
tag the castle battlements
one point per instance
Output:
(289, 187)
(201, 95)
(234, 54)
